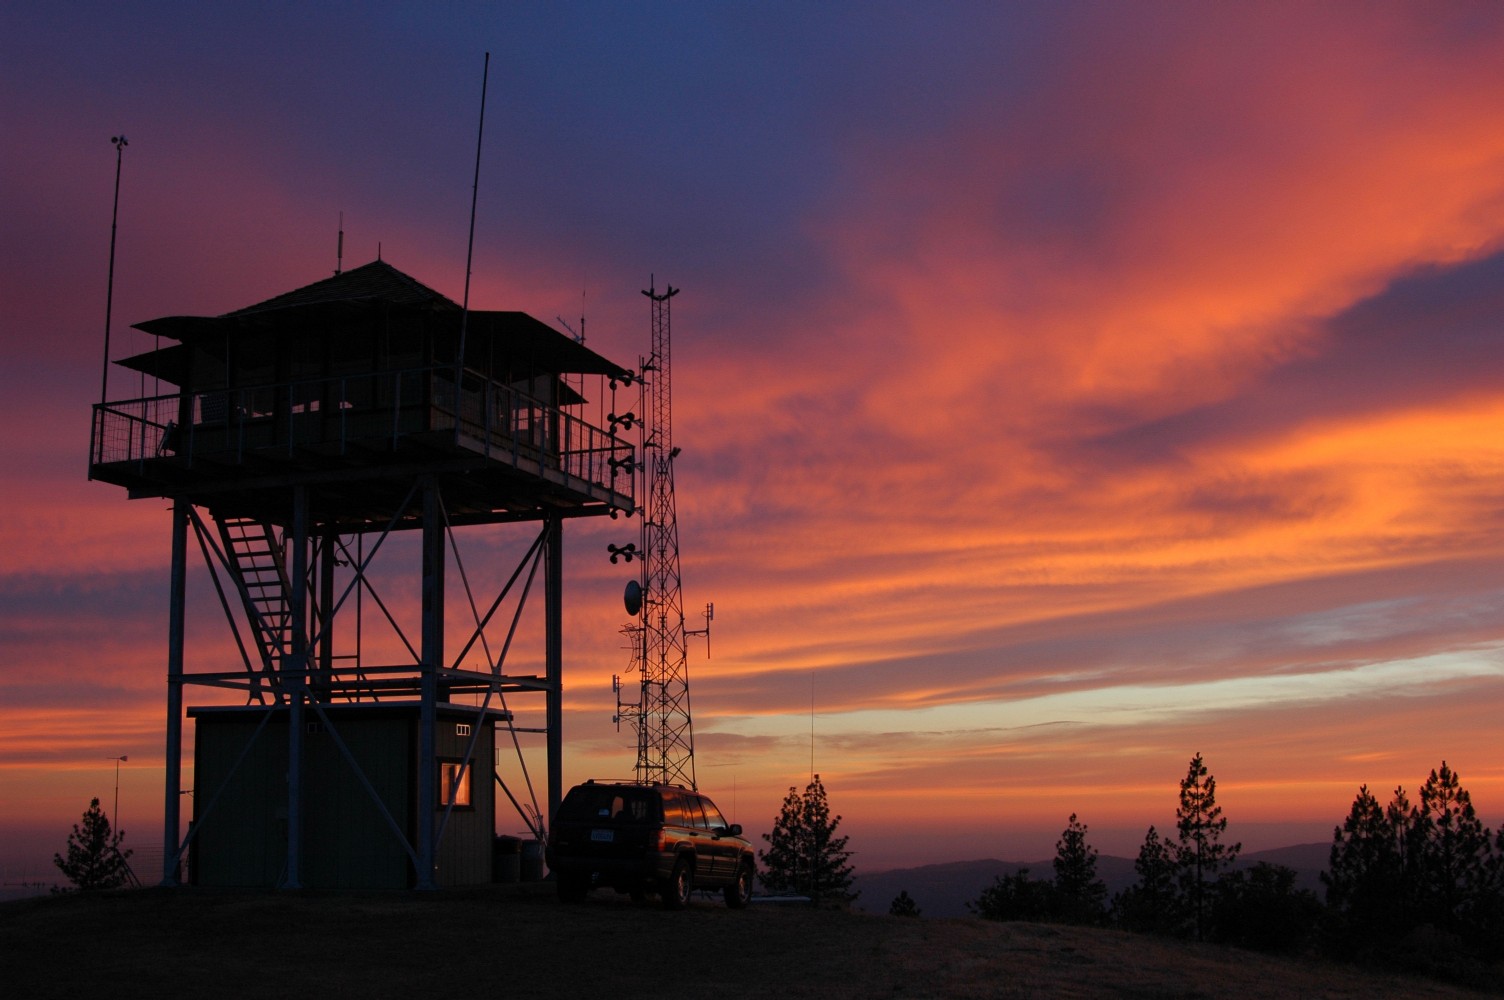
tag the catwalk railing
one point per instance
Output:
(350, 414)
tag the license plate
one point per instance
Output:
(603, 836)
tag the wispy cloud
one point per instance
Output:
(1063, 390)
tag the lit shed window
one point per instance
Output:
(454, 784)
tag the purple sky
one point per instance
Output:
(1064, 389)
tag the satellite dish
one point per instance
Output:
(633, 598)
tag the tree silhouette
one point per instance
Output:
(1365, 876)
(804, 855)
(1451, 851)
(1261, 908)
(1079, 895)
(1153, 902)
(903, 905)
(1201, 855)
(1016, 897)
(94, 859)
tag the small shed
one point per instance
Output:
(360, 792)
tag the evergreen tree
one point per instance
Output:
(1153, 902)
(94, 859)
(1489, 921)
(1201, 855)
(1261, 908)
(1400, 818)
(1016, 897)
(786, 862)
(1365, 876)
(1079, 895)
(903, 905)
(1451, 851)
(804, 855)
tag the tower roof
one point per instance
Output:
(377, 281)
(370, 297)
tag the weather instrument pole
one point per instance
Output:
(115, 814)
(109, 293)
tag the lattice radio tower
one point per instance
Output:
(661, 713)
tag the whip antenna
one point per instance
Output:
(459, 362)
(109, 294)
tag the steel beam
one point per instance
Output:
(553, 659)
(173, 756)
(432, 656)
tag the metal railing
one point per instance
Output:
(339, 414)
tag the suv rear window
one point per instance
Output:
(625, 805)
(676, 810)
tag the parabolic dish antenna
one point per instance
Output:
(632, 598)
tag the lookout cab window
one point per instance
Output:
(454, 784)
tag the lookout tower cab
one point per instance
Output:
(299, 435)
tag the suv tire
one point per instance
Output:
(571, 887)
(739, 892)
(680, 885)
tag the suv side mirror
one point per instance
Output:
(734, 830)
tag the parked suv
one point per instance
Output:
(647, 838)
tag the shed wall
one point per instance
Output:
(240, 825)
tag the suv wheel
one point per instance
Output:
(572, 888)
(739, 892)
(680, 884)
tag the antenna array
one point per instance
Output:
(660, 714)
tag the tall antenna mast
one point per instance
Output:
(661, 716)
(109, 294)
(459, 361)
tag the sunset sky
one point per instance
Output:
(1064, 389)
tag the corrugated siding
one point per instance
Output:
(347, 842)
(242, 840)
(464, 855)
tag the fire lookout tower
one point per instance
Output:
(306, 432)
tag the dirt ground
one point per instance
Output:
(517, 941)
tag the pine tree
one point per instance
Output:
(804, 855)
(1451, 851)
(1365, 876)
(1016, 897)
(1489, 922)
(903, 905)
(1261, 908)
(1079, 894)
(1153, 902)
(1400, 818)
(94, 859)
(785, 863)
(1201, 855)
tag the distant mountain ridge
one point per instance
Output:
(943, 890)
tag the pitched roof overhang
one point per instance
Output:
(376, 297)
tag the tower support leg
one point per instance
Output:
(294, 672)
(433, 658)
(553, 600)
(173, 757)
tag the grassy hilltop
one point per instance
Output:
(518, 941)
